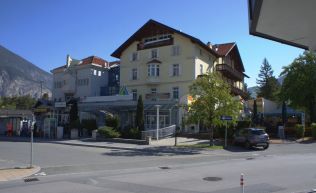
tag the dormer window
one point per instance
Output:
(157, 38)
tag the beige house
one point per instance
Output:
(159, 63)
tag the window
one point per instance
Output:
(134, 56)
(201, 52)
(134, 91)
(175, 70)
(157, 38)
(99, 73)
(175, 92)
(154, 53)
(134, 74)
(83, 82)
(201, 69)
(154, 94)
(153, 90)
(175, 51)
(153, 69)
(94, 72)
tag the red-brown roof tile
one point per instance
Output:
(223, 49)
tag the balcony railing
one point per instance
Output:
(143, 46)
(157, 96)
(153, 80)
(228, 71)
(238, 91)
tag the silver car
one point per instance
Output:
(251, 137)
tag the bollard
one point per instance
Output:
(242, 183)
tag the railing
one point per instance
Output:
(157, 96)
(153, 80)
(238, 91)
(162, 133)
(229, 71)
(142, 45)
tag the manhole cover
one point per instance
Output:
(30, 179)
(164, 168)
(212, 179)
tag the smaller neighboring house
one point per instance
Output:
(81, 80)
(84, 78)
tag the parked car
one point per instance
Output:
(251, 137)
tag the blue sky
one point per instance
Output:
(45, 31)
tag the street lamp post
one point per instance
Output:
(157, 125)
(32, 128)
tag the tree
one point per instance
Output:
(298, 87)
(268, 84)
(211, 96)
(140, 114)
(255, 113)
(248, 94)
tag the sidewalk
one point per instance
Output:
(17, 173)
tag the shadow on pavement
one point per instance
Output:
(155, 151)
(238, 149)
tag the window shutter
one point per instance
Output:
(157, 53)
(137, 56)
(170, 69)
(130, 57)
(131, 74)
(180, 69)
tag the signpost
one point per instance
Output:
(226, 118)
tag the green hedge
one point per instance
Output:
(89, 124)
(299, 131)
(108, 132)
(131, 133)
(313, 126)
(243, 124)
(112, 121)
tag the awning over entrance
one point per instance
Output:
(290, 22)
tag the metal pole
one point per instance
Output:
(32, 128)
(157, 125)
(242, 183)
(226, 135)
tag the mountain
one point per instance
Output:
(20, 77)
(253, 91)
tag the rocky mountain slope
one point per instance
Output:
(20, 77)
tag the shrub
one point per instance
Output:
(131, 133)
(112, 121)
(313, 126)
(243, 124)
(89, 124)
(75, 124)
(108, 132)
(219, 132)
(299, 131)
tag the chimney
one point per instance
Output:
(209, 45)
(68, 61)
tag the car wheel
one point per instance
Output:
(247, 145)
(266, 147)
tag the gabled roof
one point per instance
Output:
(145, 30)
(223, 49)
(85, 61)
(227, 48)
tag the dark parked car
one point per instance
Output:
(251, 137)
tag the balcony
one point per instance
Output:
(153, 80)
(154, 44)
(238, 91)
(228, 71)
(157, 96)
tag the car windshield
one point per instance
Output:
(257, 132)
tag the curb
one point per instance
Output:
(97, 146)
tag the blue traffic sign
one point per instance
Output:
(226, 118)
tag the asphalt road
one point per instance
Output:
(282, 168)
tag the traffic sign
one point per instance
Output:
(226, 118)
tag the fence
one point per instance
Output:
(162, 133)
